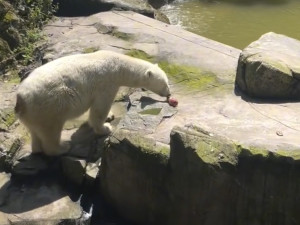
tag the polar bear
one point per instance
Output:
(67, 87)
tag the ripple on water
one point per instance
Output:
(235, 24)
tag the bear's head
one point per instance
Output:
(157, 81)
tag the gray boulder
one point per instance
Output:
(270, 68)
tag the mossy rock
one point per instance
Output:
(202, 172)
(113, 31)
(7, 118)
(203, 148)
(269, 68)
(8, 149)
(141, 55)
(216, 150)
(5, 51)
(145, 149)
(122, 35)
(90, 50)
(11, 18)
(188, 76)
(158, 15)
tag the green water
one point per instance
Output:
(235, 24)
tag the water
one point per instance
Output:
(235, 24)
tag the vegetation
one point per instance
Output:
(39, 12)
(21, 22)
(90, 50)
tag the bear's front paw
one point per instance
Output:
(104, 130)
(110, 117)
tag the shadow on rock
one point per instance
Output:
(86, 144)
(145, 101)
(34, 194)
(247, 98)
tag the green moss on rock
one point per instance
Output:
(90, 50)
(153, 111)
(7, 118)
(265, 154)
(10, 17)
(4, 50)
(251, 151)
(141, 55)
(121, 35)
(189, 76)
(144, 149)
(294, 154)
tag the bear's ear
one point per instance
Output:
(149, 73)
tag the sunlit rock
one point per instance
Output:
(270, 68)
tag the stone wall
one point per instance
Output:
(200, 179)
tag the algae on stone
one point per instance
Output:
(140, 55)
(189, 76)
(122, 35)
(141, 147)
(7, 118)
(210, 149)
(263, 153)
(152, 111)
(90, 50)
(251, 151)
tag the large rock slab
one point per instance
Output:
(270, 68)
(37, 202)
(123, 31)
(200, 178)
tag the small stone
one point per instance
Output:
(92, 170)
(221, 156)
(279, 133)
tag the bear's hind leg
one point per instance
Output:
(36, 143)
(50, 136)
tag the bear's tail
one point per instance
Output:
(20, 107)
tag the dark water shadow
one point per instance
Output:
(145, 101)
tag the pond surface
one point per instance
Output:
(236, 25)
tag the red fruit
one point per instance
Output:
(173, 102)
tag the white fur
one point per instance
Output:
(67, 87)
